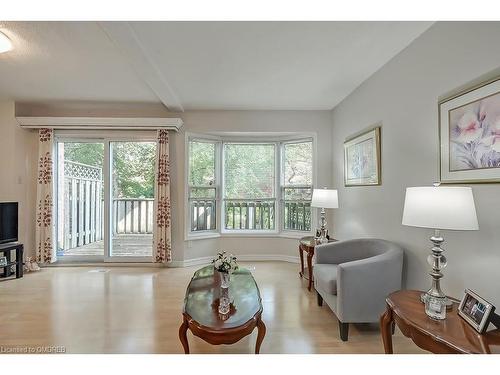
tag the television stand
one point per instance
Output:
(6, 249)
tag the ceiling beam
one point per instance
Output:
(126, 40)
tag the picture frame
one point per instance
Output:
(469, 135)
(362, 155)
(3, 260)
(475, 310)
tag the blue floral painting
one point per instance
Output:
(362, 159)
(475, 135)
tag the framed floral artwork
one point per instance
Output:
(362, 159)
(469, 128)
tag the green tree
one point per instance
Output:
(85, 153)
(133, 165)
(249, 171)
(134, 169)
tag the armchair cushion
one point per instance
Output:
(325, 276)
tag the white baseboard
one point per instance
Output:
(243, 258)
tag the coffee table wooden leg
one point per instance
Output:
(386, 324)
(260, 335)
(183, 336)
(310, 269)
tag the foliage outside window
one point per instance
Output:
(249, 186)
(130, 178)
(297, 185)
(202, 185)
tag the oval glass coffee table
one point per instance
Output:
(201, 316)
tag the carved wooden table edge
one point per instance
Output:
(425, 339)
(219, 337)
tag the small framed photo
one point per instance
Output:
(475, 310)
(3, 261)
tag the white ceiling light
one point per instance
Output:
(5, 43)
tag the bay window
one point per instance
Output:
(243, 186)
(202, 187)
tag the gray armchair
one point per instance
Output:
(354, 277)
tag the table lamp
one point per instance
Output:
(439, 208)
(324, 198)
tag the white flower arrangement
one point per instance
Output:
(225, 262)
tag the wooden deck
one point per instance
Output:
(122, 245)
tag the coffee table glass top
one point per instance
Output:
(202, 294)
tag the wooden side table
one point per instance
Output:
(6, 250)
(450, 336)
(307, 245)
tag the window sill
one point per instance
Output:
(202, 236)
(295, 235)
(249, 234)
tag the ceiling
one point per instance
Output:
(198, 65)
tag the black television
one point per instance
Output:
(8, 222)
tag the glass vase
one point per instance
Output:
(224, 300)
(225, 278)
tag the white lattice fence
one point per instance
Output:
(80, 205)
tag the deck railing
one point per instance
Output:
(250, 215)
(203, 214)
(80, 205)
(297, 215)
(133, 215)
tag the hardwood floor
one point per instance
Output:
(138, 310)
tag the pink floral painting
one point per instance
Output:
(475, 135)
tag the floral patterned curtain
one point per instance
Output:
(162, 250)
(44, 229)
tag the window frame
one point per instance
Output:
(221, 138)
(292, 232)
(209, 233)
(240, 232)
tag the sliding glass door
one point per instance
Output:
(80, 200)
(132, 196)
(105, 196)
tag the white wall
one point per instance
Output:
(403, 95)
(18, 156)
(262, 122)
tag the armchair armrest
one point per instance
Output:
(363, 285)
(338, 252)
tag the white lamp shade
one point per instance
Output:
(5, 44)
(440, 208)
(325, 198)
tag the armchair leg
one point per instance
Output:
(320, 299)
(344, 330)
